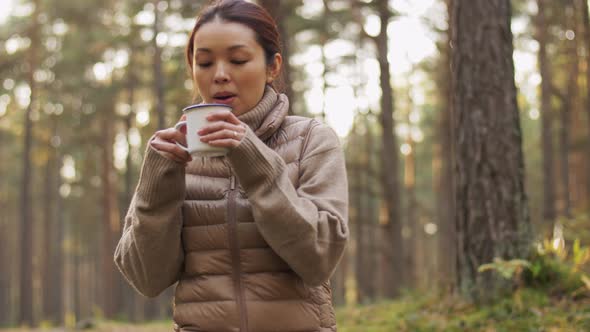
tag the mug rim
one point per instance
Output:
(192, 107)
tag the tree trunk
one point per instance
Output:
(324, 37)
(49, 227)
(362, 221)
(578, 178)
(391, 255)
(567, 110)
(443, 161)
(26, 204)
(111, 222)
(158, 75)
(279, 11)
(76, 273)
(412, 256)
(4, 230)
(129, 294)
(586, 26)
(546, 120)
(372, 208)
(57, 298)
(491, 204)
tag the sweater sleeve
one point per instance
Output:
(305, 226)
(149, 253)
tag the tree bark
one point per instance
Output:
(490, 203)
(4, 230)
(50, 246)
(372, 208)
(111, 222)
(567, 109)
(413, 256)
(26, 204)
(546, 120)
(57, 255)
(279, 11)
(158, 75)
(586, 26)
(443, 170)
(578, 135)
(130, 295)
(392, 255)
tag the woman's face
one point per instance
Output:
(229, 65)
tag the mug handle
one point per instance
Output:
(178, 126)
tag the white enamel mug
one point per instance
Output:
(196, 118)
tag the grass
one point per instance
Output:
(527, 311)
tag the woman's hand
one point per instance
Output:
(164, 142)
(225, 130)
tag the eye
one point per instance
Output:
(204, 64)
(239, 62)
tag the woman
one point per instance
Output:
(253, 237)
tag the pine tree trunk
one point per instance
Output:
(414, 263)
(586, 26)
(49, 229)
(577, 127)
(491, 204)
(372, 208)
(158, 75)
(129, 294)
(278, 9)
(391, 255)
(76, 274)
(111, 222)
(26, 204)
(5, 276)
(546, 120)
(446, 237)
(56, 313)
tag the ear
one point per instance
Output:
(274, 68)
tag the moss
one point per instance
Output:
(526, 310)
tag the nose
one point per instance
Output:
(221, 74)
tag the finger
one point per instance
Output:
(225, 143)
(172, 135)
(222, 134)
(168, 134)
(223, 116)
(173, 149)
(168, 155)
(218, 126)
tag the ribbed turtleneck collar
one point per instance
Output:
(268, 114)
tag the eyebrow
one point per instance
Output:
(231, 48)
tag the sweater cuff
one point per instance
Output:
(161, 179)
(253, 162)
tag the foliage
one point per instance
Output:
(534, 311)
(507, 269)
(560, 273)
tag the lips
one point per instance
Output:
(224, 97)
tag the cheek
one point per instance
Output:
(199, 81)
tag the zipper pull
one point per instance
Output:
(232, 182)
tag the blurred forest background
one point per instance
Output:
(469, 165)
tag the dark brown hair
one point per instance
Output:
(239, 11)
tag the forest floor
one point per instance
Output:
(527, 311)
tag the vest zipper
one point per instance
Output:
(235, 254)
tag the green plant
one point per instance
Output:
(558, 271)
(510, 269)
